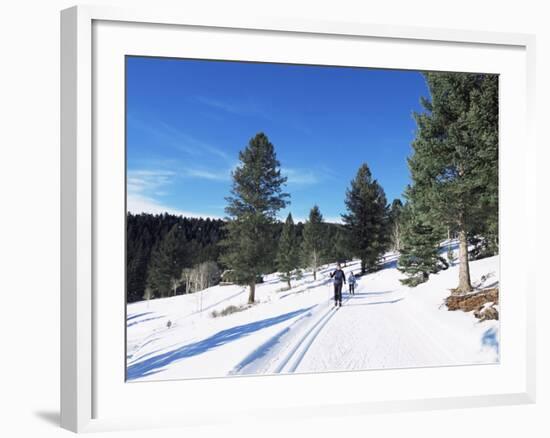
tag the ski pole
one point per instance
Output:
(328, 300)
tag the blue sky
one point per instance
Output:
(187, 121)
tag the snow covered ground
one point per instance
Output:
(384, 325)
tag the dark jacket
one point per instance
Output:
(338, 276)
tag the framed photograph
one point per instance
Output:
(290, 218)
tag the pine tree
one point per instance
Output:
(137, 257)
(454, 166)
(256, 197)
(483, 122)
(340, 247)
(167, 262)
(313, 246)
(418, 257)
(367, 219)
(288, 256)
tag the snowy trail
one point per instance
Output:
(387, 329)
(365, 335)
(384, 325)
(292, 361)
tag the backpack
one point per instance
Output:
(339, 276)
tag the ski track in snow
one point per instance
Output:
(384, 325)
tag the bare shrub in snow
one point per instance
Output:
(228, 311)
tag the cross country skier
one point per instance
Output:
(338, 277)
(351, 281)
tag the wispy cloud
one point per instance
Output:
(221, 105)
(191, 144)
(173, 136)
(301, 176)
(144, 181)
(295, 176)
(224, 175)
(237, 107)
(249, 107)
(142, 204)
(144, 187)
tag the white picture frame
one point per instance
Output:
(89, 399)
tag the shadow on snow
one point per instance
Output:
(130, 356)
(490, 339)
(143, 320)
(389, 264)
(137, 315)
(155, 364)
(376, 302)
(363, 295)
(307, 286)
(443, 249)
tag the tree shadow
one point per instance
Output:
(128, 325)
(362, 295)
(137, 315)
(156, 364)
(491, 285)
(447, 247)
(389, 264)
(129, 357)
(304, 288)
(490, 339)
(377, 302)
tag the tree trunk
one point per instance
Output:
(450, 255)
(288, 281)
(396, 238)
(314, 265)
(252, 292)
(363, 266)
(398, 229)
(464, 283)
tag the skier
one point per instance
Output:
(351, 281)
(338, 277)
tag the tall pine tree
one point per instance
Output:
(288, 258)
(340, 247)
(256, 197)
(314, 244)
(367, 219)
(454, 166)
